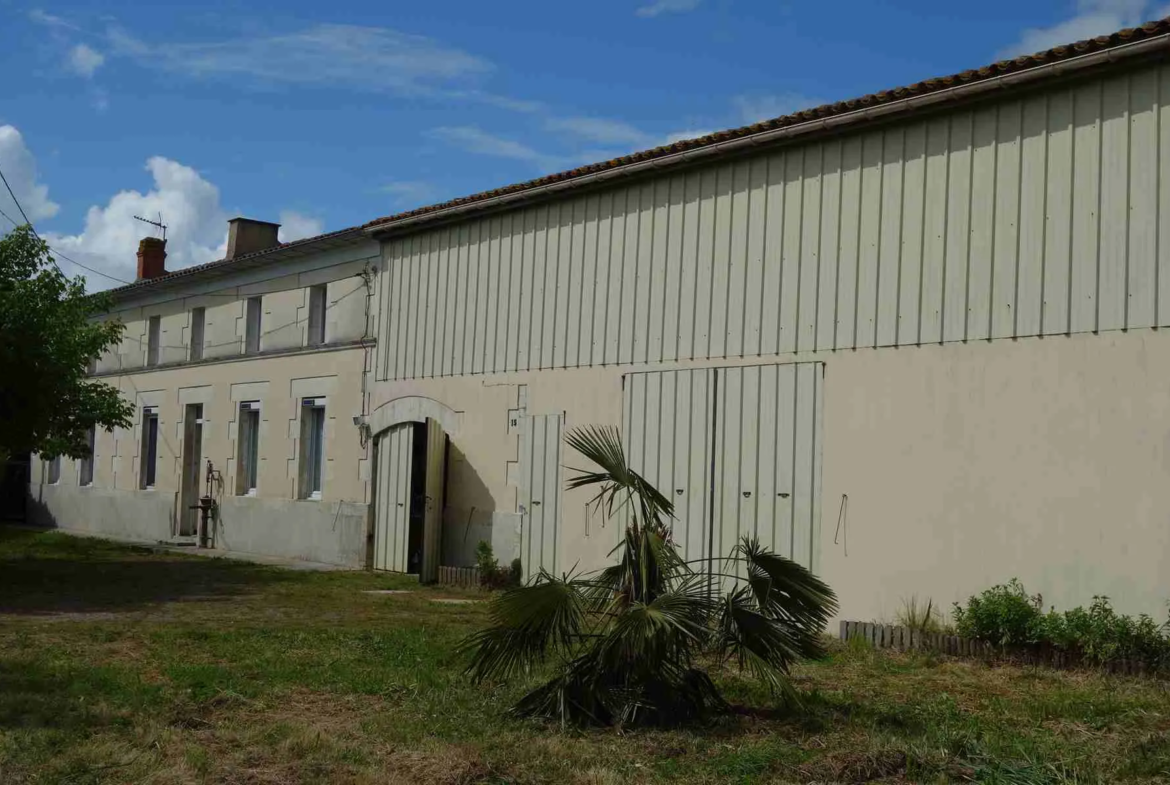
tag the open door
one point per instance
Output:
(392, 521)
(436, 462)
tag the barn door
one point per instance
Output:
(540, 492)
(667, 439)
(436, 471)
(738, 451)
(392, 497)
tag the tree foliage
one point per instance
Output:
(48, 336)
(627, 644)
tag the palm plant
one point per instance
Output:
(627, 644)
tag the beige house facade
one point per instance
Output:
(915, 342)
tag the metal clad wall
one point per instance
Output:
(392, 524)
(1039, 215)
(756, 430)
(540, 492)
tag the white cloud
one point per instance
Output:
(754, 108)
(373, 58)
(599, 130)
(20, 169)
(190, 206)
(85, 61)
(1093, 18)
(49, 20)
(409, 193)
(667, 6)
(295, 226)
(476, 140)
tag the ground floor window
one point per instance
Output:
(54, 470)
(312, 447)
(85, 467)
(149, 451)
(248, 452)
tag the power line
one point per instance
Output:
(37, 235)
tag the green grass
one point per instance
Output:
(123, 665)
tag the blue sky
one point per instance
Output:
(326, 115)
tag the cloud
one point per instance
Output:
(49, 20)
(409, 193)
(295, 226)
(599, 130)
(475, 140)
(368, 58)
(1093, 18)
(667, 6)
(190, 206)
(20, 170)
(85, 61)
(754, 108)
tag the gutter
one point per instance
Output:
(903, 105)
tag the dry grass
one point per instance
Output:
(119, 665)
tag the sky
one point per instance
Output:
(327, 115)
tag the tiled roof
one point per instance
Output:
(1022, 63)
(353, 232)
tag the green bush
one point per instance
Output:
(1004, 615)
(1007, 616)
(491, 574)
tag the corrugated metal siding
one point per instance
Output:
(1036, 216)
(738, 450)
(392, 517)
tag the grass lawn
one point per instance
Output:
(122, 665)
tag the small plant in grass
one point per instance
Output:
(923, 618)
(491, 574)
(627, 644)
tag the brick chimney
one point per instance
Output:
(152, 257)
(246, 235)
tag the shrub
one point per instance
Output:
(924, 619)
(491, 574)
(1004, 615)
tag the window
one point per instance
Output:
(149, 451)
(197, 317)
(152, 333)
(312, 447)
(85, 469)
(248, 448)
(317, 315)
(252, 326)
(54, 470)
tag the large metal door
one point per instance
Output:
(667, 439)
(540, 492)
(737, 449)
(436, 473)
(392, 497)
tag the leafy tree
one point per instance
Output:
(48, 337)
(626, 645)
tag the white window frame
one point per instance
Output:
(198, 323)
(54, 471)
(153, 336)
(312, 448)
(318, 298)
(248, 448)
(253, 319)
(85, 464)
(148, 451)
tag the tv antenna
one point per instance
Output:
(157, 224)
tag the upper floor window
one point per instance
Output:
(198, 315)
(149, 448)
(252, 325)
(317, 296)
(152, 338)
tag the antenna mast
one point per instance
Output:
(156, 224)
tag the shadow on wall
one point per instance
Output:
(467, 517)
(46, 572)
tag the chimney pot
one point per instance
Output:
(152, 257)
(246, 235)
